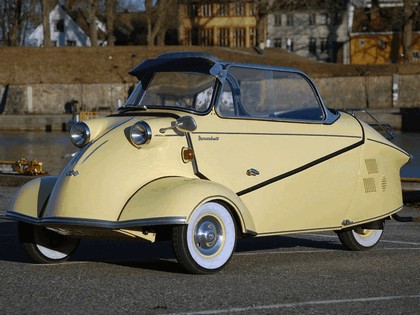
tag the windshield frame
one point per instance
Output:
(141, 89)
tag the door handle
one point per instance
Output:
(252, 172)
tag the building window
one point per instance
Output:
(324, 46)
(59, 26)
(323, 19)
(193, 10)
(277, 20)
(289, 44)
(252, 8)
(206, 9)
(361, 42)
(416, 55)
(223, 9)
(240, 9)
(54, 43)
(290, 21)
(277, 42)
(223, 36)
(312, 45)
(253, 36)
(239, 37)
(206, 37)
(71, 43)
(382, 44)
(312, 19)
(188, 37)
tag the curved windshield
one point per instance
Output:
(185, 90)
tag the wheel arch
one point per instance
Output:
(31, 198)
(178, 197)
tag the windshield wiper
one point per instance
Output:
(131, 108)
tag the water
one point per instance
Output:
(54, 148)
(50, 148)
(410, 142)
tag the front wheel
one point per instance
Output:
(361, 238)
(45, 246)
(207, 243)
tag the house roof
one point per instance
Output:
(74, 30)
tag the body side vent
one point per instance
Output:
(369, 185)
(371, 166)
(383, 183)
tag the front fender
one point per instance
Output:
(177, 197)
(30, 199)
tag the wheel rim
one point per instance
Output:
(208, 236)
(367, 237)
(211, 236)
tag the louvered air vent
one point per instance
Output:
(383, 183)
(369, 185)
(371, 166)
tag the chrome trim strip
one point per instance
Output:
(330, 228)
(12, 215)
(382, 216)
(273, 134)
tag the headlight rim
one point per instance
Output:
(85, 134)
(146, 130)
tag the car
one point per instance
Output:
(205, 152)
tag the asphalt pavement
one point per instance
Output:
(295, 274)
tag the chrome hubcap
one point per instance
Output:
(208, 236)
(363, 232)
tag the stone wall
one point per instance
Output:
(52, 98)
(371, 92)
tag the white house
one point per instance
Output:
(64, 31)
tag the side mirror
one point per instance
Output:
(182, 124)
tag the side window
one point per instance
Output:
(271, 94)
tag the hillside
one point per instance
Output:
(25, 65)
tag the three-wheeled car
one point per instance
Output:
(206, 151)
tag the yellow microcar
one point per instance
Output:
(206, 151)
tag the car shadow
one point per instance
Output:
(278, 242)
(158, 257)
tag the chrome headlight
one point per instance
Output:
(140, 133)
(80, 134)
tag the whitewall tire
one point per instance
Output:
(207, 243)
(359, 238)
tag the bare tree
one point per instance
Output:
(46, 8)
(92, 10)
(409, 15)
(13, 21)
(110, 17)
(158, 16)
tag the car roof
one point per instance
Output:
(199, 61)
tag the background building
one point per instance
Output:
(377, 32)
(65, 31)
(310, 29)
(217, 23)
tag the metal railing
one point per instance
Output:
(386, 128)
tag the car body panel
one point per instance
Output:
(276, 174)
(177, 196)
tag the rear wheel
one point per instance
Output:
(45, 246)
(360, 237)
(207, 243)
